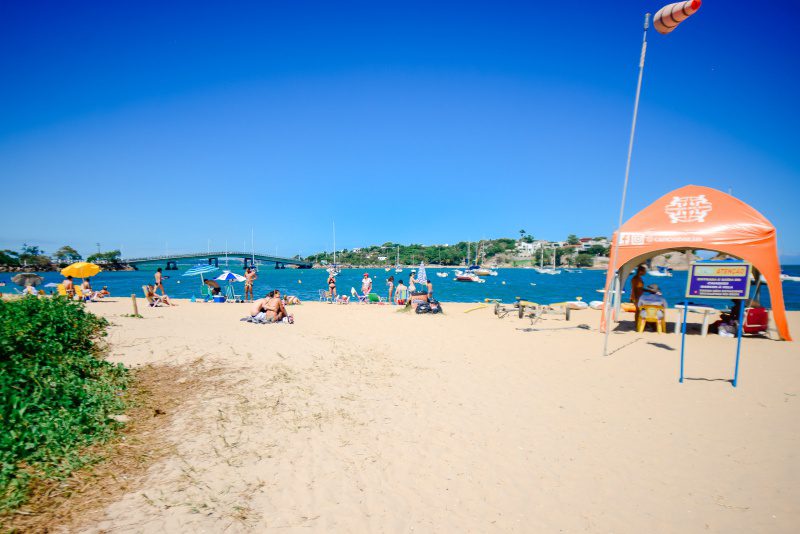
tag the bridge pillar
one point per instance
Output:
(248, 262)
(172, 265)
(279, 265)
(214, 262)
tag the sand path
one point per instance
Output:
(362, 419)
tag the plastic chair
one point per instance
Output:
(401, 297)
(324, 295)
(652, 314)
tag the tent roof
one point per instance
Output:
(697, 217)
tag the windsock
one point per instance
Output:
(669, 16)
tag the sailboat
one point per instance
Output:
(334, 268)
(541, 269)
(397, 267)
(477, 268)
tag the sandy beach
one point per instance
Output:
(363, 419)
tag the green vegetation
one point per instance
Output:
(29, 255)
(111, 256)
(67, 254)
(56, 392)
(413, 254)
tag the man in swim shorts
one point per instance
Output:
(250, 276)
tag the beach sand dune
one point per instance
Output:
(363, 419)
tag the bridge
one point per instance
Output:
(170, 262)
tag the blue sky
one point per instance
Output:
(165, 125)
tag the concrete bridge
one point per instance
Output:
(170, 263)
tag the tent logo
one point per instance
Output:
(688, 209)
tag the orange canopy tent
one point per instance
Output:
(696, 217)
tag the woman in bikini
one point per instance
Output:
(332, 285)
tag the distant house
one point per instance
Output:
(356, 250)
(588, 242)
(527, 250)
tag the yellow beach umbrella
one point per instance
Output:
(81, 269)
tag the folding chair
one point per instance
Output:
(355, 295)
(325, 295)
(152, 299)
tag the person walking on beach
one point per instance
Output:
(159, 282)
(332, 286)
(429, 285)
(637, 288)
(250, 276)
(366, 285)
(390, 283)
(412, 279)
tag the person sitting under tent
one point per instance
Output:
(651, 296)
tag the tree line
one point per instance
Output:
(33, 256)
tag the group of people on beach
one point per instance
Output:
(86, 289)
(271, 309)
(398, 294)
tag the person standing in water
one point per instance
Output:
(390, 283)
(250, 276)
(159, 282)
(332, 286)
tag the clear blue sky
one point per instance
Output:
(142, 124)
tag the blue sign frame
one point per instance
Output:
(729, 280)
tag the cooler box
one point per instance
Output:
(219, 298)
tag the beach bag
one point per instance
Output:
(435, 307)
(423, 307)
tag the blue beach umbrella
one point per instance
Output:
(231, 278)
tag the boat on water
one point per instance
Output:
(442, 275)
(397, 267)
(660, 271)
(541, 269)
(334, 268)
(483, 271)
(574, 271)
(789, 278)
(467, 276)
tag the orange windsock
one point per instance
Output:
(669, 16)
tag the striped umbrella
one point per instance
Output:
(231, 277)
(199, 269)
(422, 277)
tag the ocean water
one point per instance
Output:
(509, 284)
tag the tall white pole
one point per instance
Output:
(613, 266)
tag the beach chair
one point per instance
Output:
(153, 300)
(652, 314)
(355, 295)
(401, 297)
(62, 291)
(325, 296)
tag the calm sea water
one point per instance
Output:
(509, 284)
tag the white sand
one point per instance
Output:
(362, 419)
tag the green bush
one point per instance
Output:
(56, 392)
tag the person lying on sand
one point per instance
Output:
(290, 300)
